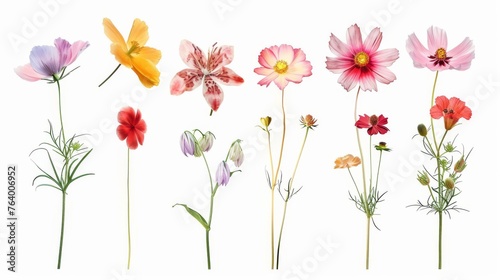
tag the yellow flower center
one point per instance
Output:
(281, 67)
(135, 48)
(361, 59)
(441, 53)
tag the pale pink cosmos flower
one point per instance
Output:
(207, 70)
(438, 56)
(359, 62)
(283, 64)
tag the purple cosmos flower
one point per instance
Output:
(222, 174)
(49, 61)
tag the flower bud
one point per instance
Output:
(460, 165)
(187, 143)
(449, 147)
(449, 183)
(236, 153)
(206, 141)
(422, 130)
(382, 146)
(308, 121)
(222, 174)
(423, 178)
(266, 121)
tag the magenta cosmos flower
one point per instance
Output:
(437, 56)
(207, 70)
(359, 62)
(132, 127)
(452, 110)
(50, 61)
(283, 64)
(375, 124)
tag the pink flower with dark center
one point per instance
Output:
(281, 65)
(360, 62)
(209, 70)
(437, 56)
(452, 110)
(375, 124)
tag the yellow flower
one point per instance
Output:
(347, 161)
(133, 54)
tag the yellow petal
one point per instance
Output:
(145, 81)
(112, 33)
(150, 54)
(121, 55)
(147, 69)
(138, 33)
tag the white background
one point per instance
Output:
(167, 243)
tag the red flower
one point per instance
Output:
(131, 127)
(374, 124)
(451, 109)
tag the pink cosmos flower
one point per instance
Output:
(283, 64)
(50, 61)
(451, 109)
(437, 56)
(360, 62)
(207, 70)
(375, 124)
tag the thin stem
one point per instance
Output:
(60, 110)
(361, 152)
(112, 73)
(212, 194)
(378, 168)
(270, 152)
(368, 242)
(289, 193)
(432, 104)
(370, 149)
(62, 229)
(128, 208)
(356, 185)
(207, 241)
(432, 195)
(272, 228)
(440, 257)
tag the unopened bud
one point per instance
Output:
(423, 178)
(449, 183)
(422, 130)
(460, 165)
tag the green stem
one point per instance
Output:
(60, 110)
(112, 73)
(128, 208)
(368, 242)
(378, 169)
(281, 232)
(440, 257)
(207, 241)
(62, 230)
(212, 195)
(432, 104)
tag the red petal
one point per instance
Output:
(212, 93)
(122, 131)
(132, 140)
(126, 116)
(228, 77)
(185, 80)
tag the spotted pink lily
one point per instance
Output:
(209, 70)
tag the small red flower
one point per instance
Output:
(374, 124)
(451, 109)
(131, 127)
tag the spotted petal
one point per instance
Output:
(213, 93)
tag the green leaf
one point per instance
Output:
(195, 215)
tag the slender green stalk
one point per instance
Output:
(207, 242)
(112, 73)
(128, 208)
(212, 194)
(289, 193)
(432, 104)
(60, 110)
(368, 224)
(62, 229)
(440, 257)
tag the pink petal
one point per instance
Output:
(441, 104)
(76, 49)
(281, 81)
(64, 49)
(228, 77)
(302, 68)
(354, 40)
(192, 55)
(383, 75)
(286, 53)
(338, 47)
(418, 53)
(220, 57)
(462, 55)
(298, 56)
(268, 79)
(27, 73)
(212, 92)
(338, 65)
(349, 78)
(264, 71)
(384, 57)
(367, 81)
(185, 80)
(436, 38)
(372, 42)
(363, 121)
(267, 58)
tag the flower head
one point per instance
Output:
(132, 127)
(222, 174)
(438, 56)
(347, 161)
(207, 141)
(360, 62)
(266, 121)
(375, 124)
(188, 143)
(423, 178)
(422, 130)
(308, 121)
(283, 64)
(209, 70)
(133, 53)
(50, 61)
(382, 146)
(460, 165)
(449, 183)
(451, 109)
(236, 153)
